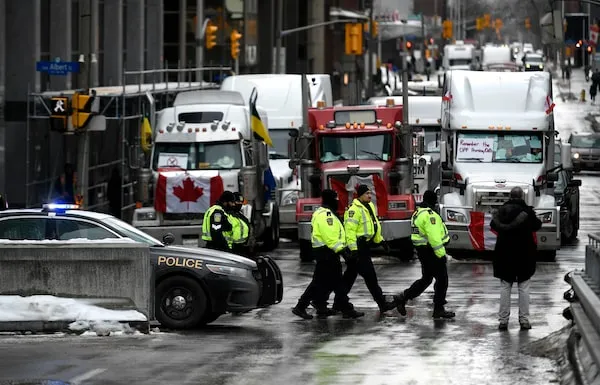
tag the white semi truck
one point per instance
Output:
(458, 56)
(497, 133)
(205, 135)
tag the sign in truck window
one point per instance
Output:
(475, 149)
(499, 148)
(166, 159)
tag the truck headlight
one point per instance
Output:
(576, 155)
(455, 216)
(229, 270)
(290, 198)
(545, 217)
(146, 216)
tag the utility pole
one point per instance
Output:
(406, 160)
(278, 36)
(370, 46)
(199, 37)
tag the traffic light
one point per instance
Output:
(409, 45)
(527, 23)
(235, 44)
(487, 20)
(498, 24)
(374, 27)
(210, 35)
(479, 23)
(81, 110)
(59, 114)
(589, 49)
(354, 36)
(447, 29)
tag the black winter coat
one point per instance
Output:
(515, 252)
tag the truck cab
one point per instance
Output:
(498, 133)
(205, 135)
(458, 56)
(347, 146)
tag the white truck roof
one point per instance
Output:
(496, 54)
(499, 100)
(425, 110)
(279, 94)
(459, 51)
(209, 97)
(320, 89)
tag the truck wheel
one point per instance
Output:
(181, 303)
(271, 236)
(569, 233)
(305, 250)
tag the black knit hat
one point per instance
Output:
(227, 196)
(239, 198)
(361, 189)
(329, 195)
(430, 197)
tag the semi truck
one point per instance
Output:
(458, 56)
(498, 133)
(202, 146)
(346, 146)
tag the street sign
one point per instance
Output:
(57, 67)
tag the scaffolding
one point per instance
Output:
(117, 149)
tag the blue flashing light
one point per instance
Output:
(59, 207)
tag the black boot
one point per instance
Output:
(440, 312)
(300, 311)
(324, 313)
(401, 303)
(386, 305)
(351, 313)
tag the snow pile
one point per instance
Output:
(50, 308)
(103, 328)
(74, 240)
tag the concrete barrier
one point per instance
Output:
(76, 270)
(592, 259)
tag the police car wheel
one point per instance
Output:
(181, 303)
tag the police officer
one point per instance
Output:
(429, 235)
(328, 243)
(363, 231)
(216, 226)
(240, 227)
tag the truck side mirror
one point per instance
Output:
(421, 145)
(443, 155)
(552, 177)
(565, 155)
(575, 183)
(293, 133)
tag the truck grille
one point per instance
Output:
(345, 179)
(489, 201)
(590, 157)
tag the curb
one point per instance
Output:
(60, 326)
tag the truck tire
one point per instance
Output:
(305, 250)
(180, 303)
(271, 235)
(570, 232)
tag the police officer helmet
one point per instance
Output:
(430, 198)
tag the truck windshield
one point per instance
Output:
(499, 147)
(198, 156)
(432, 138)
(459, 62)
(280, 138)
(359, 147)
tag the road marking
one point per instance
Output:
(85, 376)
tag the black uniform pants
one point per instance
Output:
(327, 277)
(220, 246)
(363, 266)
(431, 267)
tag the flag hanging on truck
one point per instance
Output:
(256, 123)
(481, 234)
(347, 191)
(184, 193)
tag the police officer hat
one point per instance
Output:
(361, 189)
(430, 197)
(239, 198)
(227, 196)
(329, 197)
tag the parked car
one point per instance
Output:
(194, 286)
(566, 193)
(533, 62)
(585, 151)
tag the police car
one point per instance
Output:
(194, 286)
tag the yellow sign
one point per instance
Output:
(191, 263)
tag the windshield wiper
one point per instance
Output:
(475, 159)
(374, 154)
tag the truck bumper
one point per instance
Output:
(390, 229)
(287, 217)
(548, 238)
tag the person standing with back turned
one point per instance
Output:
(429, 236)
(514, 255)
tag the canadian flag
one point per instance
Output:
(184, 193)
(481, 234)
(549, 105)
(447, 96)
(375, 183)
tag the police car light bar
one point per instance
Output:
(59, 206)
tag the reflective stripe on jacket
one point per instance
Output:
(358, 223)
(428, 228)
(327, 230)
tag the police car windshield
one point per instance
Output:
(131, 232)
(198, 156)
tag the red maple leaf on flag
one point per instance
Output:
(187, 192)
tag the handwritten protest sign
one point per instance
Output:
(475, 148)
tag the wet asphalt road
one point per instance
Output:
(272, 346)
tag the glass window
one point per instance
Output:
(361, 147)
(499, 147)
(198, 156)
(200, 117)
(432, 138)
(459, 62)
(585, 141)
(355, 116)
(18, 229)
(280, 138)
(73, 229)
(131, 232)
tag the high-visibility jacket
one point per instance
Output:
(358, 223)
(221, 220)
(428, 228)
(239, 230)
(327, 230)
